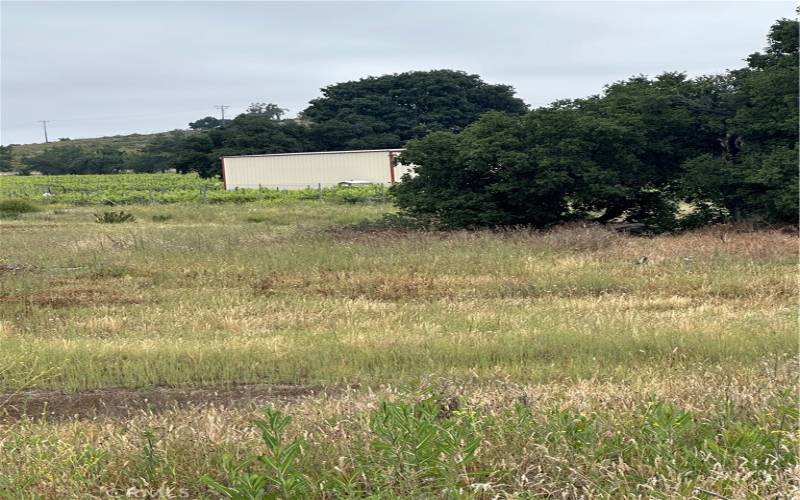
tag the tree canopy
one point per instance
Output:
(726, 143)
(271, 110)
(248, 133)
(375, 112)
(5, 159)
(387, 111)
(206, 123)
(74, 159)
(759, 178)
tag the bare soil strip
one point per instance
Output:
(123, 403)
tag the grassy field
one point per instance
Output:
(135, 357)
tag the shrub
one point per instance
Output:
(430, 442)
(274, 474)
(161, 217)
(13, 207)
(114, 217)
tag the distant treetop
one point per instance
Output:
(387, 111)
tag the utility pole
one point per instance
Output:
(44, 126)
(222, 108)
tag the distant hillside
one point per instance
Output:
(128, 143)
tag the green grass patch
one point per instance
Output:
(16, 207)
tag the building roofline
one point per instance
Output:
(320, 153)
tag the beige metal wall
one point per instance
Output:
(303, 170)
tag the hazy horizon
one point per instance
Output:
(109, 68)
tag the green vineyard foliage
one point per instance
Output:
(129, 189)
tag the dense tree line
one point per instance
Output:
(371, 113)
(727, 144)
(6, 164)
(74, 159)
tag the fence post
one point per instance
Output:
(204, 190)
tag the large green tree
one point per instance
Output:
(248, 133)
(5, 159)
(74, 159)
(625, 147)
(728, 143)
(161, 153)
(613, 156)
(754, 174)
(271, 110)
(387, 111)
(206, 123)
(484, 176)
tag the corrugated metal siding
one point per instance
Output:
(299, 171)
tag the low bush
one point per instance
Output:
(114, 217)
(13, 207)
(274, 474)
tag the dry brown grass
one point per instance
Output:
(74, 296)
(741, 241)
(189, 441)
(710, 243)
(380, 287)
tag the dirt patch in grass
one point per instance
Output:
(27, 225)
(382, 236)
(74, 296)
(392, 287)
(380, 287)
(124, 403)
(11, 268)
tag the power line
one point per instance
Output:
(124, 116)
(222, 108)
(44, 126)
(99, 118)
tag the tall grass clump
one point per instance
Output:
(14, 207)
(272, 474)
(117, 217)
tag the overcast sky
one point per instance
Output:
(105, 68)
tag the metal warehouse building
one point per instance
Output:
(318, 169)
